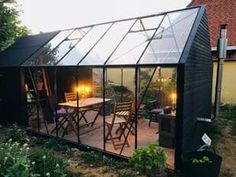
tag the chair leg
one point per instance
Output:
(83, 117)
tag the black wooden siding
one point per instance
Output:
(197, 87)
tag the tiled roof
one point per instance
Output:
(220, 12)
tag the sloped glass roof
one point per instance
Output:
(156, 39)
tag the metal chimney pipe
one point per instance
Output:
(221, 55)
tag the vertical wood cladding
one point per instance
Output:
(197, 87)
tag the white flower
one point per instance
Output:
(57, 165)
(25, 145)
(44, 157)
(5, 158)
(10, 140)
(33, 163)
(47, 174)
(27, 148)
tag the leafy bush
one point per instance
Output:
(47, 163)
(149, 159)
(16, 133)
(14, 160)
(18, 160)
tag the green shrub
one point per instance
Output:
(16, 133)
(149, 159)
(47, 163)
(18, 160)
(234, 122)
(14, 160)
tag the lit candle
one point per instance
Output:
(173, 96)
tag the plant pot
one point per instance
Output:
(205, 169)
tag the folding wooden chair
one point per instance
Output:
(71, 96)
(62, 116)
(121, 116)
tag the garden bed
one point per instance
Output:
(53, 156)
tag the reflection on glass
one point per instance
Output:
(78, 33)
(186, 19)
(63, 48)
(158, 93)
(85, 45)
(131, 48)
(169, 41)
(163, 47)
(46, 54)
(119, 88)
(104, 48)
(176, 17)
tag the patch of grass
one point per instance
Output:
(52, 143)
(98, 159)
(127, 174)
(233, 128)
(215, 131)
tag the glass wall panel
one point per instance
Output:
(131, 48)
(109, 42)
(66, 109)
(157, 110)
(39, 88)
(84, 46)
(44, 55)
(119, 122)
(91, 125)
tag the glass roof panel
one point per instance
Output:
(186, 19)
(169, 41)
(85, 45)
(137, 26)
(77, 34)
(131, 48)
(151, 22)
(108, 43)
(40, 57)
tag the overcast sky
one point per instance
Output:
(50, 15)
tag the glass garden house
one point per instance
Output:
(115, 86)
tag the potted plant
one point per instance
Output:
(150, 160)
(204, 163)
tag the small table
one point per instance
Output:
(85, 103)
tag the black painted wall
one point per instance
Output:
(12, 107)
(196, 85)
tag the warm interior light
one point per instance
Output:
(173, 98)
(83, 90)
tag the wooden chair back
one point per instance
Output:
(123, 109)
(70, 96)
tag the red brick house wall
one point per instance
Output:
(220, 12)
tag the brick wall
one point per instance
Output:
(220, 12)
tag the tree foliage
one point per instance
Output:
(10, 25)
